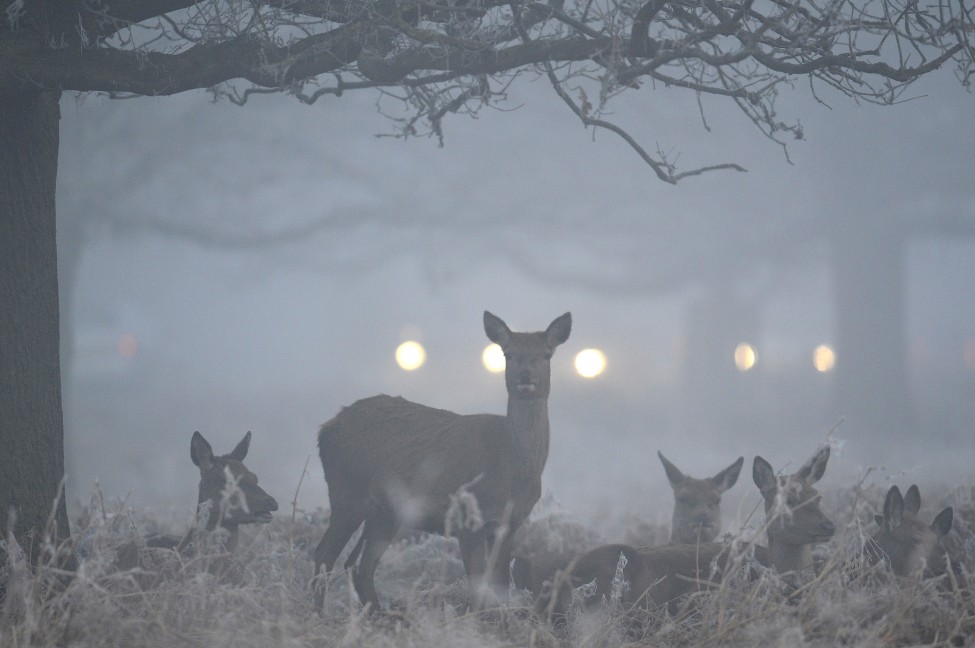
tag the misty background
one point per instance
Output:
(226, 269)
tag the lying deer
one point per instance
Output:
(229, 496)
(697, 502)
(389, 462)
(697, 519)
(911, 547)
(659, 575)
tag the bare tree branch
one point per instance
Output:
(440, 57)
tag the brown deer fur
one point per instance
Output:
(911, 547)
(390, 462)
(251, 504)
(659, 575)
(697, 502)
(248, 504)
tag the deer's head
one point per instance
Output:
(910, 546)
(528, 356)
(227, 487)
(697, 502)
(791, 502)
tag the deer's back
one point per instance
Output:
(661, 573)
(387, 442)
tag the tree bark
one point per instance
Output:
(31, 424)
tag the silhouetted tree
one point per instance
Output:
(436, 57)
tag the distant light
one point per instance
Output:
(410, 355)
(968, 354)
(493, 358)
(127, 346)
(590, 363)
(823, 358)
(745, 356)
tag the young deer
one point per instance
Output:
(659, 575)
(910, 546)
(222, 503)
(389, 462)
(697, 502)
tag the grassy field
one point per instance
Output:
(263, 597)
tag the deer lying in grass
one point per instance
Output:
(659, 575)
(697, 519)
(389, 462)
(220, 504)
(697, 502)
(911, 547)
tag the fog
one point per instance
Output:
(228, 269)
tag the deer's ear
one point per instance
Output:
(674, 475)
(497, 331)
(558, 331)
(763, 475)
(200, 452)
(729, 476)
(879, 519)
(912, 500)
(812, 471)
(942, 523)
(238, 453)
(893, 509)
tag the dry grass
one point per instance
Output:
(262, 598)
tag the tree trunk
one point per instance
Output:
(31, 425)
(871, 338)
(716, 394)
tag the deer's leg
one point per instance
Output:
(377, 533)
(474, 553)
(343, 523)
(500, 550)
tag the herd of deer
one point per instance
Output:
(391, 463)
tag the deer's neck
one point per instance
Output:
(527, 429)
(786, 557)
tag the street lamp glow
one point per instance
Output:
(410, 355)
(745, 356)
(493, 358)
(590, 363)
(823, 358)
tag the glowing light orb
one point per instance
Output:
(410, 355)
(493, 358)
(127, 346)
(745, 356)
(823, 358)
(590, 363)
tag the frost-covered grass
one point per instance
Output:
(263, 597)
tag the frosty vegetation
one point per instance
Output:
(261, 596)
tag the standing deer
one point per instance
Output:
(389, 462)
(697, 502)
(910, 546)
(659, 575)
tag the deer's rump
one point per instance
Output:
(408, 456)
